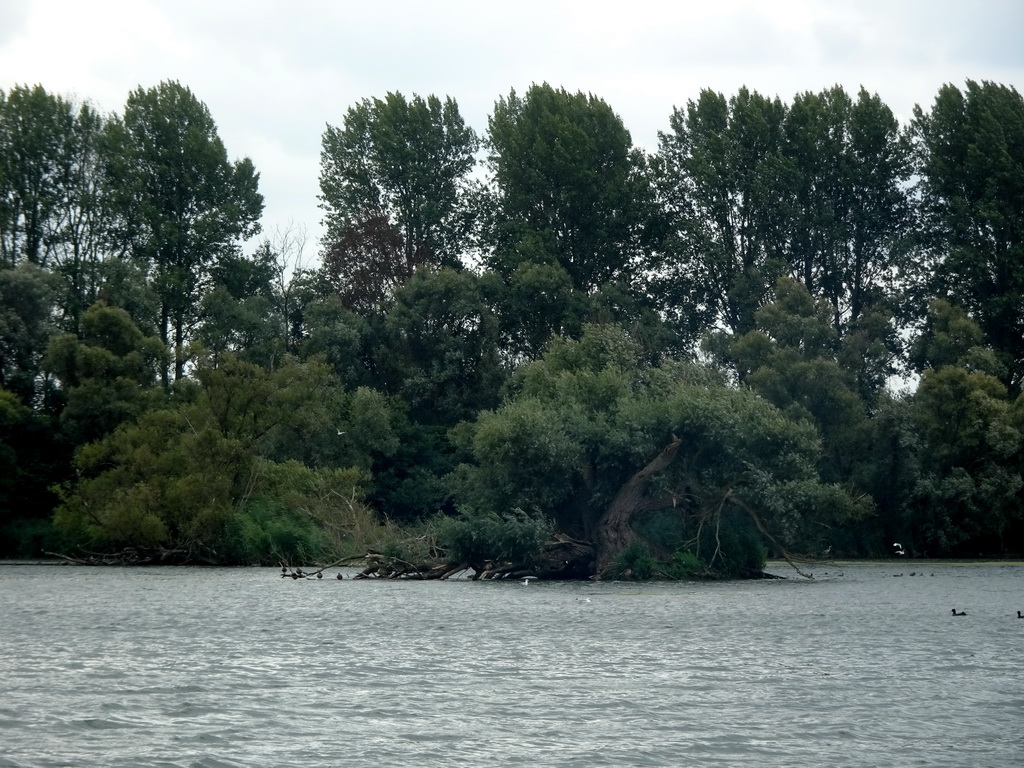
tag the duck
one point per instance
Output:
(1020, 615)
(960, 613)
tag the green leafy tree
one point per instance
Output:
(242, 312)
(725, 181)
(851, 165)
(599, 441)
(793, 360)
(968, 498)
(435, 353)
(533, 303)
(34, 127)
(569, 188)
(53, 209)
(107, 373)
(32, 459)
(26, 300)
(184, 204)
(758, 189)
(393, 182)
(971, 166)
(950, 337)
(437, 348)
(189, 476)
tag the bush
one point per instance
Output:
(740, 550)
(683, 565)
(635, 562)
(267, 532)
(476, 537)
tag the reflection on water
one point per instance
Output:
(237, 667)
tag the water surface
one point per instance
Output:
(238, 667)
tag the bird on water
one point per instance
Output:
(961, 613)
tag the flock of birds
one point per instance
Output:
(298, 573)
(898, 551)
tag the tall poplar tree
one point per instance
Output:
(393, 182)
(33, 128)
(185, 205)
(570, 188)
(971, 153)
(724, 180)
(851, 165)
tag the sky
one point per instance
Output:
(274, 74)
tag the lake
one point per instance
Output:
(239, 667)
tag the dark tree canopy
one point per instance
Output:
(393, 181)
(184, 204)
(971, 153)
(758, 189)
(724, 180)
(797, 328)
(570, 188)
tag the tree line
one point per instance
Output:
(797, 327)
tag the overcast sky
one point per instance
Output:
(275, 73)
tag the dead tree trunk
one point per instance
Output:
(614, 529)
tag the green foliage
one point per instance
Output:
(794, 360)
(393, 183)
(950, 337)
(53, 210)
(241, 313)
(477, 537)
(180, 476)
(437, 348)
(34, 129)
(968, 494)
(759, 189)
(721, 170)
(683, 565)
(635, 562)
(32, 458)
(107, 372)
(569, 184)
(269, 532)
(733, 549)
(178, 217)
(544, 378)
(971, 154)
(25, 327)
(589, 416)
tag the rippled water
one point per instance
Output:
(237, 667)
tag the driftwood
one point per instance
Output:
(562, 558)
(134, 556)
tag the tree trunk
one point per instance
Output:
(614, 529)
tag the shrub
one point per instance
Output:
(735, 550)
(268, 532)
(683, 565)
(476, 537)
(635, 562)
